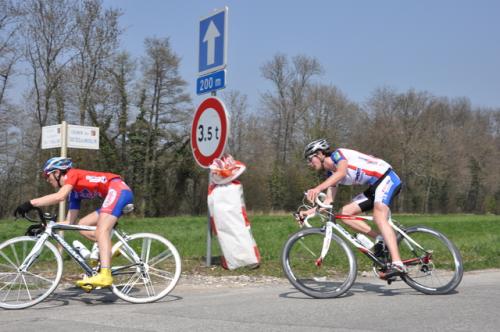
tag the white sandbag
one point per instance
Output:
(231, 225)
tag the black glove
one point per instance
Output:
(22, 209)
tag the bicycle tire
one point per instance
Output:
(19, 290)
(332, 278)
(439, 271)
(153, 276)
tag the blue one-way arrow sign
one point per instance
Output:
(212, 43)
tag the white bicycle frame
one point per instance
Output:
(330, 225)
(49, 232)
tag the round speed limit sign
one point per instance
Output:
(209, 131)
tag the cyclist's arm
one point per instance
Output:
(331, 192)
(54, 198)
(335, 178)
(332, 181)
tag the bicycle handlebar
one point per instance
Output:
(319, 201)
(43, 217)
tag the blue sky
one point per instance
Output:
(448, 48)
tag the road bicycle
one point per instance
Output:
(321, 264)
(145, 266)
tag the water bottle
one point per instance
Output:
(94, 255)
(82, 250)
(365, 241)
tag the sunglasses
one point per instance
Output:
(47, 174)
(310, 158)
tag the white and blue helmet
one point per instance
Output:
(57, 163)
(315, 146)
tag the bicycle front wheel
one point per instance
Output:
(24, 287)
(434, 263)
(145, 268)
(327, 278)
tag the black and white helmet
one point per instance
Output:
(315, 146)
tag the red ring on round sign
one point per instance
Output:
(218, 106)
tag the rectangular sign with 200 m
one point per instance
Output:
(211, 82)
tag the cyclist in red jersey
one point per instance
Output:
(77, 184)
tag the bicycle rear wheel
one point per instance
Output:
(331, 277)
(149, 272)
(23, 289)
(437, 267)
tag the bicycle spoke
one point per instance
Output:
(159, 258)
(8, 260)
(160, 274)
(129, 285)
(27, 288)
(146, 247)
(11, 284)
(148, 284)
(39, 277)
(14, 252)
(305, 246)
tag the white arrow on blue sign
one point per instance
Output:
(212, 42)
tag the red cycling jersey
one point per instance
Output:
(89, 184)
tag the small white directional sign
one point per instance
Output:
(80, 137)
(212, 42)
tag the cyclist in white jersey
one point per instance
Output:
(350, 167)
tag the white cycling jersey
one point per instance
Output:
(362, 168)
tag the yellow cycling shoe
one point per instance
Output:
(102, 279)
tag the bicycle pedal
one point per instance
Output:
(389, 278)
(87, 288)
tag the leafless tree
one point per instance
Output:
(95, 40)
(237, 106)
(9, 47)
(48, 27)
(286, 105)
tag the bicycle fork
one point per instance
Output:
(326, 243)
(34, 253)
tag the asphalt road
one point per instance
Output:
(370, 305)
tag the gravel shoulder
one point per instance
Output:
(200, 281)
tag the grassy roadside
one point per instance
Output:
(476, 236)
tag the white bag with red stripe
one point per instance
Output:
(230, 224)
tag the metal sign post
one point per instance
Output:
(72, 136)
(210, 128)
(209, 133)
(64, 153)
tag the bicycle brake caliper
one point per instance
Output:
(326, 242)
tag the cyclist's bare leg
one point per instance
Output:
(89, 220)
(105, 224)
(381, 217)
(358, 225)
